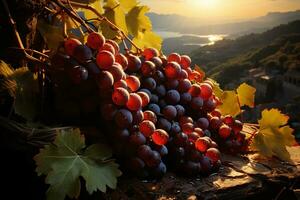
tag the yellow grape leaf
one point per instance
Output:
(137, 21)
(230, 105)
(117, 16)
(216, 88)
(147, 39)
(111, 4)
(89, 14)
(51, 34)
(272, 118)
(127, 5)
(198, 69)
(246, 95)
(273, 137)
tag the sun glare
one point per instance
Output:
(204, 3)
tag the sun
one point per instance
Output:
(204, 3)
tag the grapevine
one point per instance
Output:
(158, 112)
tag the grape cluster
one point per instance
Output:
(160, 111)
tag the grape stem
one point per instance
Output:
(17, 35)
(31, 51)
(73, 15)
(102, 18)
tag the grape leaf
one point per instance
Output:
(89, 14)
(51, 34)
(68, 159)
(117, 16)
(147, 39)
(22, 85)
(137, 21)
(230, 104)
(274, 135)
(216, 88)
(111, 4)
(127, 5)
(246, 95)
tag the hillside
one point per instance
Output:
(247, 51)
(177, 23)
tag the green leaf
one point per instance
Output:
(68, 159)
(53, 35)
(22, 85)
(147, 39)
(117, 16)
(137, 21)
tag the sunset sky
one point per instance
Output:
(221, 9)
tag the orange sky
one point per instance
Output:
(221, 9)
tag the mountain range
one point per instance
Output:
(182, 24)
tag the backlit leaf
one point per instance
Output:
(272, 118)
(68, 159)
(127, 5)
(137, 21)
(89, 14)
(147, 39)
(117, 16)
(216, 88)
(274, 135)
(246, 95)
(230, 105)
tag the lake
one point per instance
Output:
(211, 39)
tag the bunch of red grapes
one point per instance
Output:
(160, 111)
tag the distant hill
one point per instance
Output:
(177, 23)
(276, 49)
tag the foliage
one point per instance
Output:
(274, 135)
(67, 159)
(23, 86)
(128, 15)
(232, 101)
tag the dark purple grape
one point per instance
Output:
(169, 112)
(135, 164)
(172, 84)
(172, 97)
(175, 128)
(160, 170)
(192, 168)
(82, 53)
(134, 63)
(202, 123)
(206, 165)
(185, 98)
(153, 159)
(144, 152)
(149, 83)
(197, 103)
(180, 110)
(160, 90)
(123, 118)
(154, 99)
(180, 139)
(184, 85)
(162, 103)
(138, 116)
(154, 108)
(159, 76)
(122, 134)
(164, 124)
(137, 139)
